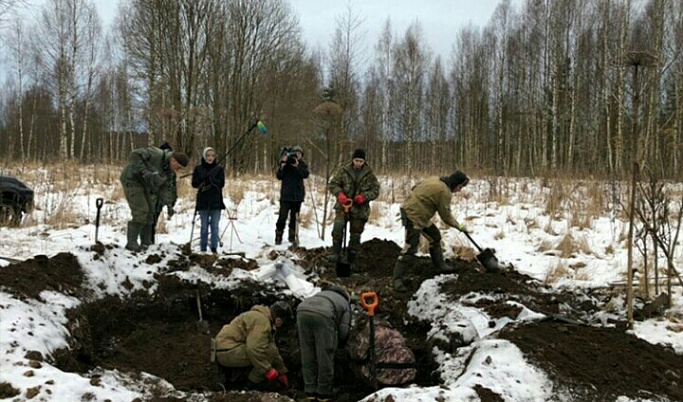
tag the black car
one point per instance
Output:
(15, 199)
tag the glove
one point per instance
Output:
(342, 198)
(461, 227)
(358, 199)
(170, 211)
(149, 174)
(271, 374)
(284, 381)
(153, 180)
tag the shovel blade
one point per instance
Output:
(343, 268)
(488, 260)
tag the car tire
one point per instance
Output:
(10, 215)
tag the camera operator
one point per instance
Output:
(292, 172)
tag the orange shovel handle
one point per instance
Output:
(369, 301)
(347, 205)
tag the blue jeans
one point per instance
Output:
(209, 217)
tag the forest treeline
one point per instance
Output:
(584, 87)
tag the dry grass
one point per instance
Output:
(545, 246)
(557, 271)
(567, 246)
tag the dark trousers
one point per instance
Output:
(318, 342)
(412, 236)
(288, 208)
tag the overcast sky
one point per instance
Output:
(440, 19)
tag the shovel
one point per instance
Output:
(486, 257)
(98, 203)
(343, 267)
(202, 326)
(369, 301)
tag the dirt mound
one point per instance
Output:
(159, 334)
(61, 273)
(599, 363)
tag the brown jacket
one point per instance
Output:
(254, 329)
(428, 197)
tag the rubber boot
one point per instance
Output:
(437, 259)
(336, 250)
(132, 234)
(278, 236)
(351, 257)
(146, 236)
(399, 269)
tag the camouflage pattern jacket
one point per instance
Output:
(151, 159)
(353, 182)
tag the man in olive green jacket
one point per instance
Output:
(149, 183)
(356, 185)
(430, 196)
(249, 340)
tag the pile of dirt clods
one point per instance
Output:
(161, 334)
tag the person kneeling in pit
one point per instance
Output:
(249, 341)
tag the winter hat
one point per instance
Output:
(282, 309)
(358, 153)
(456, 179)
(297, 148)
(181, 158)
(206, 150)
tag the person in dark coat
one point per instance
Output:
(149, 183)
(209, 178)
(292, 172)
(324, 323)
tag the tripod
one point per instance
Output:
(233, 229)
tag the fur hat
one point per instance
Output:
(358, 153)
(297, 148)
(456, 179)
(181, 158)
(206, 150)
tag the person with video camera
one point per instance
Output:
(354, 184)
(292, 172)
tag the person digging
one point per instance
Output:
(249, 341)
(428, 197)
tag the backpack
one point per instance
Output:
(395, 363)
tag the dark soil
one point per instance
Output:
(160, 334)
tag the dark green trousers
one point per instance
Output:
(318, 342)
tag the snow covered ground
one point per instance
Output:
(518, 221)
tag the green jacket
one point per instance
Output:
(254, 329)
(428, 197)
(151, 159)
(353, 182)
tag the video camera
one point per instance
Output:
(290, 153)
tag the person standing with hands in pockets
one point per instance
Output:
(354, 183)
(209, 179)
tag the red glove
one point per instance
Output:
(342, 198)
(284, 381)
(358, 199)
(271, 374)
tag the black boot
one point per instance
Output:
(278, 236)
(437, 259)
(146, 236)
(132, 234)
(399, 269)
(336, 250)
(292, 237)
(351, 257)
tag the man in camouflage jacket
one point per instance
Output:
(149, 183)
(354, 184)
